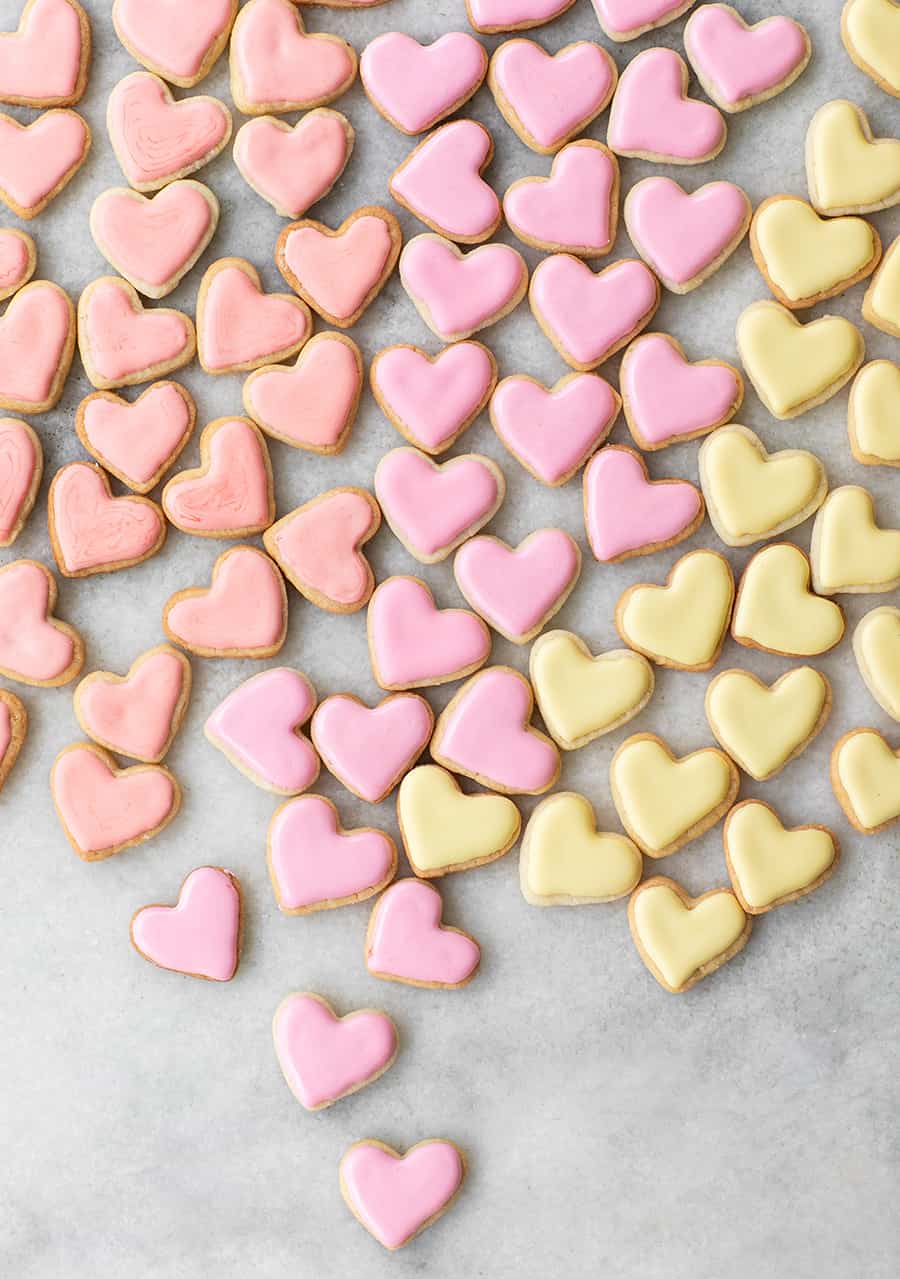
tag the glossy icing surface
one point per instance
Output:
(200, 936)
(257, 727)
(324, 1056)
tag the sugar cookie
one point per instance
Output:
(177, 41)
(865, 775)
(683, 939)
(764, 727)
(257, 727)
(682, 624)
(553, 431)
(44, 63)
(137, 714)
(292, 167)
(493, 16)
(13, 730)
(240, 326)
(433, 399)
(37, 342)
(415, 86)
(849, 551)
(440, 182)
(566, 861)
(686, 236)
(277, 66)
(667, 398)
(407, 942)
(122, 342)
(652, 117)
(518, 590)
(581, 696)
(157, 139)
(313, 404)
(414, 644)
(876, 647)
(230, 493)
(848, 170)
(574, 210)
(324, 1057)
(370, 748)
(137, 442)
(769, 864)
(37, 160)
(625, 20)
(317, 547)
(870, 30)
(201, 935)
(445, 830)
(243, 613)
(881, 304)
(18, 260)
(549, 98)
(626, 513)
(805, 259)
(873, 414)
(35, 647)
(21, 468)
(776, 609)
(397, 1196)
(93, 532)
(457, 293)
(741, 64)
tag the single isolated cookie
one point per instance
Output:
(201, 935)
(122, 343)
(870, 30)
(243, 613)
(18, 260)
(21, 468)
(292, 167)
(626, 513)
(873, 414)
(457, 293)
(230, 494)
(683, 939)
(652, 117)
(445, 830)
(406, 941)
(490, 17)
(805, 259)
(549, 98)
(37, 160)
(552, 431)
(324, 1057)
(575, 209)
(277, 66)
(865, 776)
(313, 404)
(740, 64)
(668, 399)
(44, 63)
(566, 861)
(624, 20)
(35, 647)
(876, 647)
(91, 531)
(848, 169)
(433, 399)
(850, 553)
(37, 343)
(881, 304)
(770, 865)
(518, 590)
(397, 1196)
(764, 727)
(682, 624)
(317, 547)
(581, 696)
(414, 644)
(137, 714)
(370, 748)
(776, 609)
(181, 42)
(137, 442)
(240, 326)
(13, 730)
(440, 182)
(415, 86)
(685, 237)
(257, 728)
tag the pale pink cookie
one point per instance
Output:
(685, 238)
(457, 293)
(433, 399)
(666, 398)
(588, 316)
(485, 733)
(324, 1057)
(626, 513)
(44, 63)
(739, 64)
(37, 160)
(276, 66)
(575, 210)
(313, 404)
(314, 864)
(18, 259)
(407, 942)
(257, 728)
(338, 273)
(137, 442)
(201, 935)
(440, 182)
(552, 432)
(230, 494)
(414, 644)
(21, 467)
(122, 343)
(242, 614)
(652, 118)
(137, 714)
(368, 749)
(492, 16)
(415, 86)
(35, 647)
(13, 731)
(93, 532)
(157, 139)
(317, 547)
(293, 167)
(395, 1197)
(548, 99)
(517, 590)
(154, 242)
(239, 326)
(433, 508)
(104, 809)
(37, 342)
(625, 20)
(180, 40)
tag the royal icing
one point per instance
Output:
(776, 609)
(682, 939)
(740, 64)
(549, 98)
(553, 431)
(44, 62)
(652, 116)
(566, 861)
(21, 464)
(243, 612)
(201, 935)
(176, 40)
(17, 260)
(432, 399)
(876, 646)
(139, 713)
(667, 398)
(414, 643)
(154, 243)
(36, 342)
(576, 208)
(685, 236)
(627, 513)
(104, 809)
(413, 85)
(873, 419)
(122, 342)
(38, 159)
(239, 326)
(625, 19)
(156, 138)
(513, 15)
(93, 532)
(866, 774)
(769, 864)
(277, 66)
(764, 727)
(871, 32)
(34, 647)
(446, 830)
(396, 1196)
(588, 316)
(313, 404)
(847, 170)
(325, 1057)
(317, 546)
(136, 442)
(683, 623)
(230, 493)
(849, 551)
(407, 942)
(292, 168)
(368, 749)
(432, 507)
(440, 182)
(339, 272)
(459, 293)
(881, 304)
(518, 590)
(805, 258)
(257, 727)
(581, 696)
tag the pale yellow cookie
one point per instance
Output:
(848, 170)
(581, 696)
(870, 30)
(849, 552)
(881, 304)
(683, 623)
(683, 939)
(873, 414)
(566, 861)
(769, 864)
(764, 727)
(876, 647)
(445, 830)
(804, 258)
(775, 609)
(865, 775)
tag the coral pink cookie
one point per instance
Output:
(240, 327)
(588, 316)
(122, 343)
(230, 493)
(368, 749)
(137, 442)
(35, 648)
(312, 405)
(325, 1057)
(154, 243)
(315, 864)
(21, 467)
(13, 731)
(18, 259)
(626, 513)
(431, 400)
(575, 210)
(433, 508)
(242, 614)
(276, 66)
(491, 16)
(414, 644)
(415, 86)
(685, 238)
(519, 590)
(137, 714)
(37, 160)
(459, 293)
(157, 139)
(550, 98)
(740, 65)
(666, 398)
(293, 167)
(553, 432)
(397, 1196)
(180, 40)
(45, 62)
(257, 727)
(37, 342)
(201, 936)
(484, 732)
(627, 19)
(652, 118)
(104, 809)
(317, 547)
(407, 942)
(93, 532)
(440, 182)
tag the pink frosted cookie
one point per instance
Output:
(407, 942)
(553, 432)
(257, 727)
(588, 316)
(548, 99)
(431, 400)
(397, 1196)
(313, 404)
(627, 19)
(37, 342)
(626, 513)
(122, 343)
(740, 64)
(338, 273)
(457, 293)
(157, 139)
(37, 160)
(433, 508)
(440, 182)
(180, 40)
(137, 442)
(13, 731)
(686, 238)
(44, 63)
(21, 467)
(293, 167)
(242, 614)
(325, 1057)
(368, 749)
(575, 210)
(35, 648)
(18, 259)
(414, 644)
(239, 326)
(652, 118)
(154, 243)
(137, 714)
(667, 399)
(315, 864)
(93, 532)
(104, 809)
(201, 936)
(230, 494)
(518, 590)
(317, 547)
(415, 86)
(485, 733)
(277, 66)
(492, 16)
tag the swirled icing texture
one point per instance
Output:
(124, 341)
(233, 492)
(157, 138)
(92, 528)
(18, 460)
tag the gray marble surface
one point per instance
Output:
(746, 1129)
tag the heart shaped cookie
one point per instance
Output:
(445, 830)
(804, 258)
(440, 182)
(414, 644)
(21, 467)
(865, 775)
(37, 342)
(157, 139)
(431, 400)
(137, 714)
(764, 727)
(685, 237)
(493, 16)
(44, 63)
(240, 326)
(313, 404)
(873, 414)
(770, 865)
(457, 293)
(37, 160)
(179, 42)
(35, 648)
(137, 442)
(293, 167)
(574, 210)
(682, 624)
(518, 590)
(397, 1196)
(683, 939)
(13, 730)
(18, 259)
(652, 117)
(257, 728)
(566, 861)
(870, 30)
(548, 99)
(230, 493)
(776, 610)
(881, 304)
(324, 1057)
(625, 20)
(849, 551)
(201, 936)
(667, 398)
(415, 86)
(93, 532)
(407, 942)
(276, 66)
(121, 343)
(739, 64)
(848, 170)
(581, 696)
(876, 647)
(368, 749)
(242, 614)
(553, 431)
(626, 513)
(317, 547)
